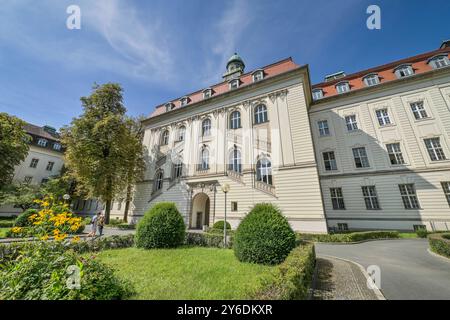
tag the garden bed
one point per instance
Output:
(440, 243)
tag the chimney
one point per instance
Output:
(334, 76)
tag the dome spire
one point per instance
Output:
(235, 67)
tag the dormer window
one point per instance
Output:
(317, 94)
(404, 71)
(184, 101)
(371, 80)
(258, 75)
(343, 87)
(234, 84)
(169, 106)
(42, 142)
(439, 62)
(207, 93)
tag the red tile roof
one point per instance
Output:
(385, 72)
(272, 70)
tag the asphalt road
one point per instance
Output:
(408, 270)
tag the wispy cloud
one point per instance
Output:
(224, 36)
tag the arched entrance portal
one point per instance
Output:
(200, 211)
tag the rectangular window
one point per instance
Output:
(342, 226)
(372, 80)
(409, 197)
(351, 123)
(177, 170)
(446, 188)
(360, 156)
(370, 197)
(28, 179)
(383, 117)
(395, 153)
(234, 206)
(419, 110)
(329, 161)
(44, 180)
(342, 87)
(323, 128)
(50, 166)
(435, 149)
(337, 199)
(42, 142)
(34, 163)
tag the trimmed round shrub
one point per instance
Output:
(219, 225)
(22, 219)
(161, 227)
(264, 236)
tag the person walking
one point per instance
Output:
(94, 223)
(101, 224)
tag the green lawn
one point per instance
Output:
(185, 273)
(3, 232)
(408, 235)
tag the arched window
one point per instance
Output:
(165, 138)
(204, 159)
(181, 133)
(264, 171)
(235, 163)
(177, 169)
(159, 179)
(235, 120)
(260, 114)
(206, 127)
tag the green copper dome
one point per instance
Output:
(235, 58)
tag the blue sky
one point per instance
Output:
(159, 50)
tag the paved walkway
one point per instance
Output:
(340, 280)
(408, 270)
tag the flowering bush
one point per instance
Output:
(52, 220)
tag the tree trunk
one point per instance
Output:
(127, 203)
(107, 211)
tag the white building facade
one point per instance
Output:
(369, 150)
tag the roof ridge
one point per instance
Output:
(222, 82)
(382, 67)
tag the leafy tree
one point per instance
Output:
(98, 145)
(14, 146)
(56, 187)
(21, 195)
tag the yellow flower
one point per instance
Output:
(76, 239)
(16, 229)
(56, 232)
(60, 237)
(45, 237)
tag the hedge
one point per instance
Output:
(208, 239)
(440, 243)
(12, 250)
(6, 224)
(220, 224)
(292, 279)
(350, 237)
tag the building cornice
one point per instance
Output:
(301, 70)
